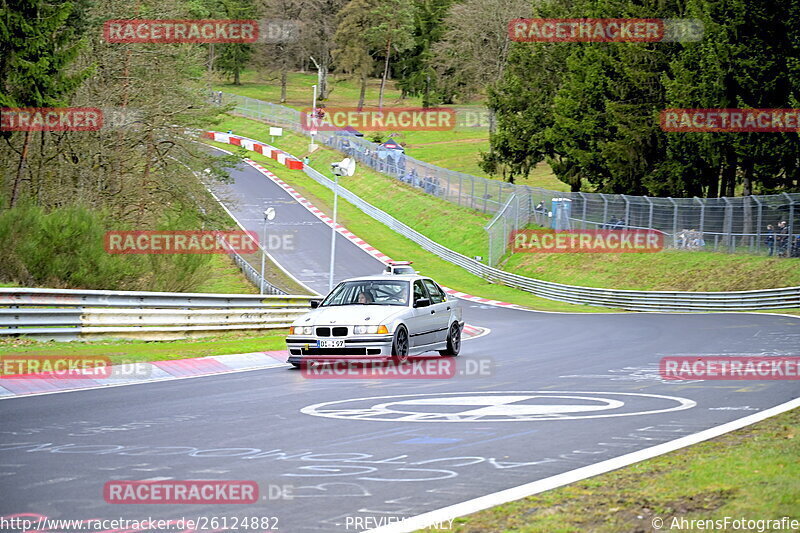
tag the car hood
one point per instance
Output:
(349, 315)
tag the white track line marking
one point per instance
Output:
(156, 380)
(497, 498)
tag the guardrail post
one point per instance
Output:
(650, 220)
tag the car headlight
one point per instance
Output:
(362, 330)
(301, 330)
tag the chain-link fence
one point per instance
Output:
(515, 214)
(738, 224)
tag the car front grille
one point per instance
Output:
(338, 331)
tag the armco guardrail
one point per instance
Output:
(77, 314)
(623, 299)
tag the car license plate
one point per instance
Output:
(330, 344)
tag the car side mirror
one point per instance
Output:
(422, 302)
(315, 304)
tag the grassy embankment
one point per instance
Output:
(752, 473)
(461, 229)
(456, 149)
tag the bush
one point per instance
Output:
(64, 248)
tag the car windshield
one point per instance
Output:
(368, 292)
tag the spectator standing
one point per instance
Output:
(769, 240)
(782, 239)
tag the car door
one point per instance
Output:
(422, 319)
(440, 311)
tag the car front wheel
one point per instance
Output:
(453, 341)
(400, 345)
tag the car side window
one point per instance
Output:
(419, 290)
(436, 295)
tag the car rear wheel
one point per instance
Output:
(453, 341)
(400, 345)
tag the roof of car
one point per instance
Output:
(381, 277)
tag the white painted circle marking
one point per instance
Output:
(497, 406)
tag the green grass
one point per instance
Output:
(344, 92)
(458, 149)
(400, 248)
(434, 217)
(752, 473)
(670, 270)
(131, 351)
(225, 278)
(461, 229)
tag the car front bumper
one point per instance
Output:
(367, 347)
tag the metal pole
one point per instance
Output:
(313, 113)
(472, 193)
(702, 213)
(263, 254)
(758, 225)
(674, 221)
(583, 215)
(727, 222)
(790, 236)
(605, 210)
(333, 229)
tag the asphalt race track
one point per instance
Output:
(296, 238)
(561, 391)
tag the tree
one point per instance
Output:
(414, 71)
(473, 51)
(233, 58)
(392, 24)
(319, 27)
(283, 52)
(352, 52)
(39, 46)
